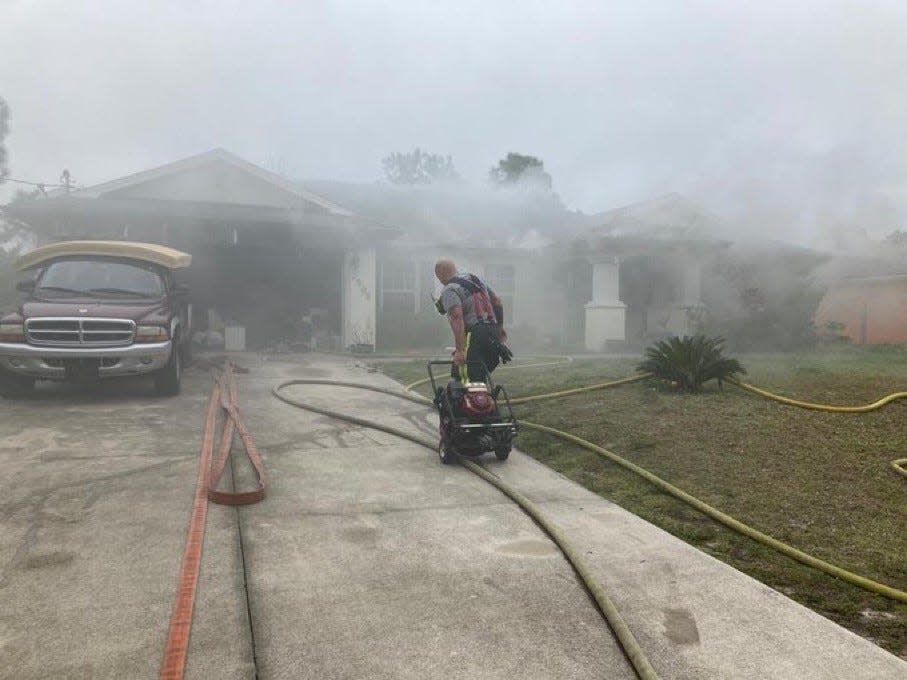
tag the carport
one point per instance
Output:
(266, 252)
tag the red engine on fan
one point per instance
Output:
(477, 403)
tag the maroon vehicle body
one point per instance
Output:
(94, 330)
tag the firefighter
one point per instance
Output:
(476, 317)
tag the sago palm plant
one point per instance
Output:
(690, 361)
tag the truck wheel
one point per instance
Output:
(167, 380)
(13, 386)
(502, 452)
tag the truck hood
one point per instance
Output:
(153, 311)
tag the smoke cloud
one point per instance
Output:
(786, 118)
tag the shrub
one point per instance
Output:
(763, 300)
(690, 361)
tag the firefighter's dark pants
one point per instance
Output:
(482, 355)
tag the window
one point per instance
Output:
(501, 279)
(102, 277)
(398, 287)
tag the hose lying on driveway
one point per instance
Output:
(223, 398)
(728, 521)
(628, 643)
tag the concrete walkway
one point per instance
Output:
(368, 558)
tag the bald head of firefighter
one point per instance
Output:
(476, 317)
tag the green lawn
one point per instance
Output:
(817, 481)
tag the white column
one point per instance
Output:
(359, 297)
(685, 314)
(692, 284)
(606, 315)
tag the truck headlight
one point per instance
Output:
(12, 332)
(151, 334)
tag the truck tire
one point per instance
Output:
(167, 380)
(13, 386)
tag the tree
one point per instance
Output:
(518, 169)
(12, 229)
(4, 130)
(419, 167)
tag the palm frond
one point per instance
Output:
(690, 361)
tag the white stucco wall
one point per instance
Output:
(359, 297)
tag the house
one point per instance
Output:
(647, 268)
(870, 310)
(359, 258)
(263, 247)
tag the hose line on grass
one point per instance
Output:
(825, 408)
(719, 516)
(580, 390)
(896, 465)
(728, 521)
(627, 641)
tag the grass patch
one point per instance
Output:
(818, 481)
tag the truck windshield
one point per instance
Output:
(101, 278)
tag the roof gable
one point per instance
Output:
(669, 216)
(213, 177)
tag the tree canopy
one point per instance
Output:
(516, 169)
(419, 167)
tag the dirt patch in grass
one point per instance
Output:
(818, 481)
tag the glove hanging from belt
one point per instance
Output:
(502, 350)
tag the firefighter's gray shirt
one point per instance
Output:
(454, 294)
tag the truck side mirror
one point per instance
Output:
(180, 289)
(25, 286)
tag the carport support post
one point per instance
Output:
(606, 315)
(359, 299)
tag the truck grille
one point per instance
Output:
(65, 332)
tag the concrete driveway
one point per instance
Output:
(367, 559)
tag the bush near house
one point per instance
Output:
(763, 301)
(833, 332)
(690, 362)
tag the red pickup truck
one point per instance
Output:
(97, 309)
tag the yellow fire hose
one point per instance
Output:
(631, 647)
(622, 632)
(825, 408)
(702, 506)
(899, 465)
(896, 465)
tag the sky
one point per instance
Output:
(788, 119)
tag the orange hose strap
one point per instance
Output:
(224, 399)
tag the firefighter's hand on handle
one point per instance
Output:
(459, 357)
